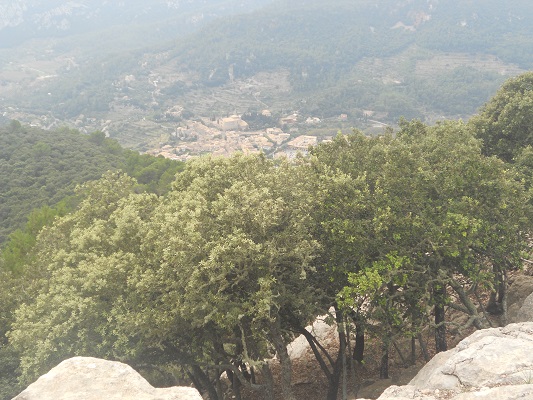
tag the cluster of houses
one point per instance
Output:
(231, 134)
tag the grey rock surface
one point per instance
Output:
(85, 378)
(525, 313)
(492, 363)
(521, 288)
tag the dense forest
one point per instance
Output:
(221, 270)
(39, 171)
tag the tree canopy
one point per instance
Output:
(221, 270)
(505, 123)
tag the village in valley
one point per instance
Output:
(225, 136)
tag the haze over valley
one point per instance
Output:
(164, 77)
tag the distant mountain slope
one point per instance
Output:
(317, 37)
(380, 59)
(21, 20)
(344, 55)
(413, 58)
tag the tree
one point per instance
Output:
(345, 171)
(432, 199)
(202, 279)
(239, 230)
(505, 122)
(78, 273)
(476, 213)
(15, 254)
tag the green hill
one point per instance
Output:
(398, 57)
(39, 167)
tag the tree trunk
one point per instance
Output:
(349, 351)
(503, 319)
(494, 305)
(470, 306)
(284, 359)
(318, 350)
(249, 349)
(335, 376)
(344, 374)
(236, 387)
(400, 353)
(268, 388)
(205, 382)
(359, 350)
(439, 292)
(413, 350)
(384, 367)
(423, 347)
(221, 390)
(252, 375)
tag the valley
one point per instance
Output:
(337, 67)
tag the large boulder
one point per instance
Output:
(492, 363)
(525, 313)
(521, 288)
(85, 378)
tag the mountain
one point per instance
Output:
(21, 20)
(369, 61)
(340, 46)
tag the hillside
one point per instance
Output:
(371, 62)
(22, 20)
(39, 167)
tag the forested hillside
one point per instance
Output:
(325, 45)
(39, 168)
(384, 59)
(223, 270)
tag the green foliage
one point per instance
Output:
(240, 250)
(429, 207)
(505, 122)
(39, 168)
(81, 272)
(173, 280)
(17, 250)
(153, 174)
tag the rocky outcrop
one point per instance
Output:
(525, 313)
(85, 378)
(492, 363)
(520, 299)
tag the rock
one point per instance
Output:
(85, 378)
(324, 332)
(512, 313)
(492, 363)
(525, 313)
(520, 289)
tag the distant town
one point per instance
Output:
(231, 134)
(224, 136)
(183, 139)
